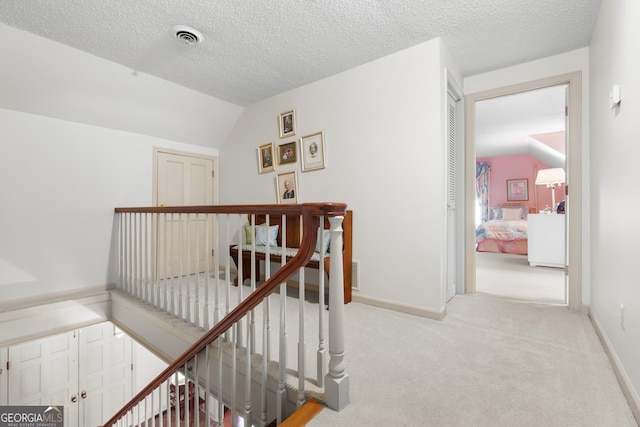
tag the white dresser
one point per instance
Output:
(547, 235)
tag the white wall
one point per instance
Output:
(383, 124)
(615, 152)
(43, 77)
(76, 140)
(577, 60)
(61, 182)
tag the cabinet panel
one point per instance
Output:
(547, 240)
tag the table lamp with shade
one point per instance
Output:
(551, 178)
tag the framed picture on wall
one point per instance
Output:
(287, 124)
(517, 189)
(312, 148)
(287, 187)
(266, 158)
(287, 153)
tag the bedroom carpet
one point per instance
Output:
(490, 362)
(509, 275)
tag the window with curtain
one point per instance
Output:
(482, 191)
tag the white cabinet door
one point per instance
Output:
(546, 234)
(44, 372)
(105, 373)
(87, 371)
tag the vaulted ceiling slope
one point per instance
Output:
(518, 124)
(255, 49)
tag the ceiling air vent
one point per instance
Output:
(187, 35)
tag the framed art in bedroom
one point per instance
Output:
(312, 148)
(265, 158)
(287, 124)
(517, 189)
(287, 187)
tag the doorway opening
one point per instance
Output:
(520, 236)
(572, 199)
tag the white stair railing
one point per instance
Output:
(176, 259)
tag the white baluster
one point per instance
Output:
(234, 369)
(239, 330)
(337, 380)
(321, 357)
(196, 305)
(228, 276)
(247, 379)
(145, 269)
(267, 275)
(181, 267)
(207, 269)
(301, 340)
(127, 253)
(147, 258)
(121, 246)
(251, 332)
(263, 378)
(282, 357)
(216, 269)
(207, 384)
(164, 263)
(187, 277)
(196, 391)
(139, 255)
(172, 302)
(220, 403)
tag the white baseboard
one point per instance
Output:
(623, 379)
(403, 308)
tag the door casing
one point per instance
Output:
(574, 179)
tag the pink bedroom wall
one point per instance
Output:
(521, 166)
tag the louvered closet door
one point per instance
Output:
(450, 279)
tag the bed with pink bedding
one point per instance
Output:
(507, 234)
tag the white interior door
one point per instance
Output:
(44, 372)
(183, 180)
(104, 373)
(87, 371)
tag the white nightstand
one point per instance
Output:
(547, 236)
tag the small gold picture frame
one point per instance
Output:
(287, 153)
(266, 158)
(287, 187)
(287, 124)
(312, 149)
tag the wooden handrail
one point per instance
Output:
(310, 219)
(331, 209)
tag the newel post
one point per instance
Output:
(337, 380)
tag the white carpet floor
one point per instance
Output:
(490, 362)
(510, 276)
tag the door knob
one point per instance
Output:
(83, 394)
(74, 398)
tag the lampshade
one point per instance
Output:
(550, 177)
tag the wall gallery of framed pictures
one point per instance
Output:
(310, 149)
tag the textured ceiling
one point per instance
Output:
(256, 49)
